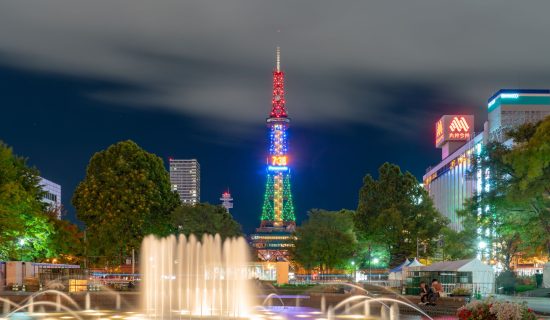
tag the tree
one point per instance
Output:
(458, 245)
(125, 195)
(67, 240)
(204, 218)
(489, 215)
(24, 228)
(530, 161)
(325, 240)
(513, 210)
(396, 211)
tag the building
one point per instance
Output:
(227, 200)
(185, 179)
(273, 238)
(511, 108)
(52, 195)
(450, 182)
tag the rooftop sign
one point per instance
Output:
(453, 128)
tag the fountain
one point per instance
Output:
(200, 278)
(184, 278)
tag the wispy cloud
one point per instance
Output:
(346, 62)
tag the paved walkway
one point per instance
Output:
(539, 304)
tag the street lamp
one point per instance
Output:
(482, 245)
(21, 245)
(354, 274)
(370, 267)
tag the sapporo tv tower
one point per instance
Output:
(272, 238)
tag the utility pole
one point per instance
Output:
(417, 248)
(133, 262)
(370, 263)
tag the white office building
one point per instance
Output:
(52, 196)
(185, 179)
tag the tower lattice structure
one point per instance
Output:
(274, 236)
(278, 208)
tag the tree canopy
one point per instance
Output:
(25, 230)
(529, 160)
(125, 195)
(396, 211)
(325, 240)
(513, 210)
(204, 218)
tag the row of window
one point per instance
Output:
(50, 196)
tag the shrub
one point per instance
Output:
(489, 309)
(461, 292)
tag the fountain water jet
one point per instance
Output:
(199, 278)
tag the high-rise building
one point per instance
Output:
(272, 238)
(185, 179)
(450, 182)
(52, 195)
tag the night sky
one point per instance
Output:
(365, 83)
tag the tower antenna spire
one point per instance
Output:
(278, 59)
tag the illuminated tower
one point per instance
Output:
(278, 221)
(278, 210)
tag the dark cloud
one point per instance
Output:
(347, 62)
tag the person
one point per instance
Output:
(435, 293)
(538, 279)
(424, 292)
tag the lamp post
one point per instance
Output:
(370, 266)
(354, 273)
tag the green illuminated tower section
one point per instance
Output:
(278, 209)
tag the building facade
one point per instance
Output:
(273, 238)
(52, 195)
(185, 179)
(451, 181)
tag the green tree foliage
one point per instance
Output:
(24, 228)
(204, 218)
(517, 203)
(530, 187)
(67, 240)
(491, 210)
(125, 195)
(458, 245)
(325, 240)
(396, 211)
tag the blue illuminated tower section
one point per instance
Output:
(278, 209)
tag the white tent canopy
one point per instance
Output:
(546, 276)
(415, 263)
(483, 276)
(397, 273)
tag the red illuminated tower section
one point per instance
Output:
(272, 239)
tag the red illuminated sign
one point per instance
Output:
(453, 128)
(459, 124)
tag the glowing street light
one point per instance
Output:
(482, 245)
